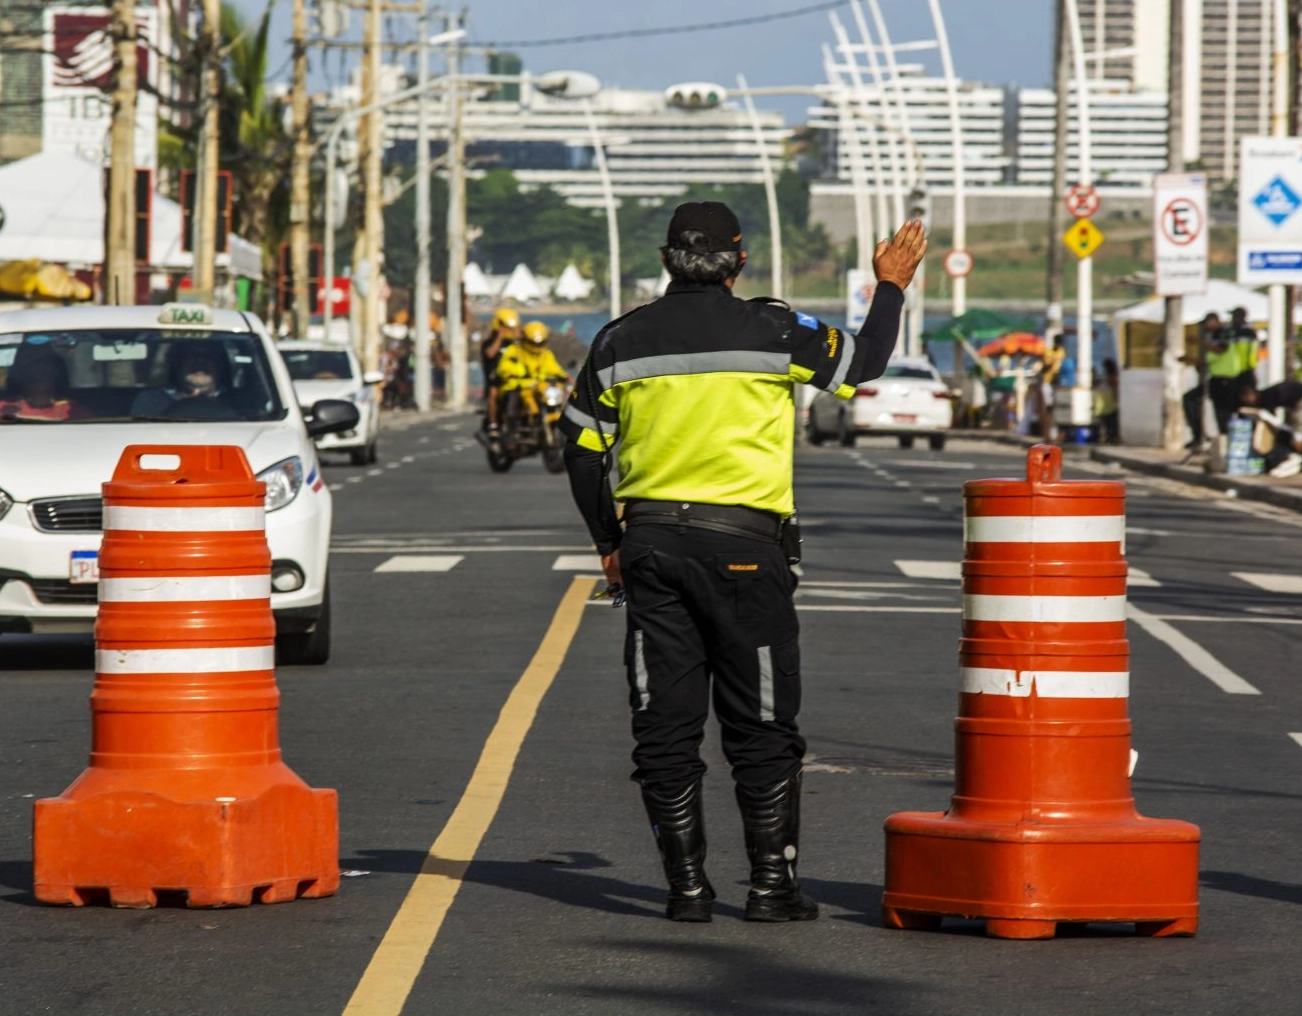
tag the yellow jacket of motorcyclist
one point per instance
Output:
(528, 360)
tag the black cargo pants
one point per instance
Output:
(709, 612)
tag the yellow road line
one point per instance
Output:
(389, 977)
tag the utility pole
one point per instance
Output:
(366, 249)
(1173, 344)
(1082, 393)
(120, 214)
(1057, 210)
(204, 242)
(1275, 338)
(299, 179)
(421, 299)
(454, 331)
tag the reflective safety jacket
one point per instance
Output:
(522, 363)
(698, 389)
(1238, 356)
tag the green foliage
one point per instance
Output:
(536, 227)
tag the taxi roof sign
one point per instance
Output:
(185, 315)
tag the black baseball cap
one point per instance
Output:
(714, 219)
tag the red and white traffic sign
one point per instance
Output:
(1082, 200)
(958, 263)
(1182, 221)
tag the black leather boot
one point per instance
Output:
(678, 822)
(771, 819)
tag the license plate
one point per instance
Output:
(905, 417)
(83, 567)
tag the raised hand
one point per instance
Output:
(895, 260)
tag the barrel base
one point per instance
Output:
(1024, 879)
(126, 848)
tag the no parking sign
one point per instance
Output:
(1179, 234)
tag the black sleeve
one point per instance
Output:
(591, 490)
(825, 357)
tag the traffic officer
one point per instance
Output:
(698, 389)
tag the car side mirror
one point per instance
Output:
(372, 377)
(329, 416)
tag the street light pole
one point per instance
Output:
(1275, 338)
(421, 297)
(453, 326)
(958, 282)
(770, 193)
(612, 217)
(1082, 395)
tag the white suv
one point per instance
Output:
(327, 370)
(79, 384)
(909, 400)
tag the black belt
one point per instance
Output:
(735, 520)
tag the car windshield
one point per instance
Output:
(317, 364)
(135, 374)
(917, 373)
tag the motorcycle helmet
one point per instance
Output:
(536, 332)
(506, 320)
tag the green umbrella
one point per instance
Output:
(980, 323)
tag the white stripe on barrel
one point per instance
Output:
(1044, 529)
(184, 520)
(176, 588)
(1048, 609)
(214, 660)
(1093, 684)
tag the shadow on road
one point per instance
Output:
(17, 875)
(47, 652)
(1249, 885)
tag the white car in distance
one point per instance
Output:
(327, 370)
(908, 401)
(80, 384)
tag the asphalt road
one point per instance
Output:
(557, 908)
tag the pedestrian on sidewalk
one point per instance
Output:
(698, 389)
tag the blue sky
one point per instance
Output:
(995, 41)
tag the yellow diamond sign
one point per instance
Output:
(1083, 238)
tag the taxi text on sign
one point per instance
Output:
(1179, 234)
(1270, 211)
(1083, 238)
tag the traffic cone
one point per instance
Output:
(1042, 827)
(186, 791)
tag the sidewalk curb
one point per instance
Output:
(1243, 487)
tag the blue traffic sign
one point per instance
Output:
(1277, 201)
(1275, 261)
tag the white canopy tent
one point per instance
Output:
(1221, 298)
(54, 211)
(522, 287)
(478, 285)
(572, 285)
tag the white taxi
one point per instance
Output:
(909, 400)
(328, 370)
(79, 384)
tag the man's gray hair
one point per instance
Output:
(703, 267)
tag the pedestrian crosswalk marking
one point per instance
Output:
(1296, 737)
(420, 563)
(1139, 577)
(951, 570)
(577, 562)
(1271, 583)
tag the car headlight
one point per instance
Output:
(283, 480)
(6, 502)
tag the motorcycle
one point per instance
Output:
(529, 424)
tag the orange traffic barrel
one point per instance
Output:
(186, 791)
(1042, 826)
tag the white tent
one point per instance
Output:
(572, 286)
(477, 283)
(54, 211)
(1221, 298)
(522, 287)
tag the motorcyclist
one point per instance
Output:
(527, 360)
(505, 329)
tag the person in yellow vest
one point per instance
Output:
(527, 360)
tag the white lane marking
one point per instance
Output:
(1227, 619)
(829, 609)
(184, 520)
(577, 562)
(869, 594)
(1044, 529)
(862, 585)
(930, 499)
(176, 588)
(353, 479)
(1047, 683)
(444, 548)
(1139, 577)
(903, 483)
(224, 660)
(335, 486)
(375, 472)
(930, 464)
(393, 465)
(1140, 531)
(425, 440)
(1290, 584)
(1044, 609)
(1192, 653)
(1296, 737)
(952, 570)
(409, 458)
(420, 563)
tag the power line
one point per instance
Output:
(642, 33)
